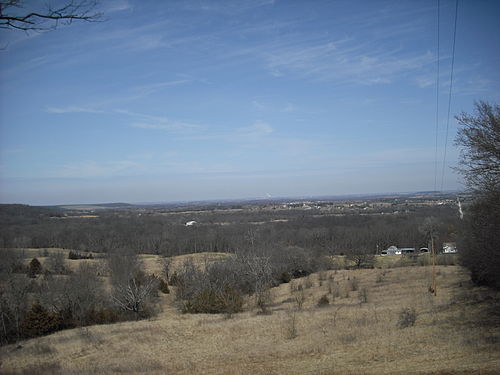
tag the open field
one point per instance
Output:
(454, 333)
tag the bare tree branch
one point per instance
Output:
(479, 135)
(14, 16)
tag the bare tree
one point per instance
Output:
(131, 288)
(360, 258)
(17, 15)
(76, 296)
(479, 136)
(55, 262)
(13, 306)
(166, 266)
(134, 295)
(12, 261)
(258, 269)
(429, 229)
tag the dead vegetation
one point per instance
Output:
(357, 332)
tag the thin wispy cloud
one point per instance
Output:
(72, 109)
(150, 122)
(116, 6)
(167, 125)
(257, 129)
(151, 88)
(226, 6)
(343, 61)
(258, 105)
(91, 169)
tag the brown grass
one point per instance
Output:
(151, 262)
(453, 334)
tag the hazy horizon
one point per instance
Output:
(333, 197)
(199, 100)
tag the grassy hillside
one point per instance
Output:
(456, 332)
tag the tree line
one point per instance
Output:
(167, 235)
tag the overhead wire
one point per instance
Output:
(449, 94)
(437, 101)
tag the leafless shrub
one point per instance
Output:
(346, 292)
(323, 301)
(333, 289)
(133, 296)
(335, 314)
(231, 277)
(89, 337)
(39, 368)
(263, 299)
(380, 277)
(407, 317)
(55, 262)
(353, 284)
(42, 349)
(348, 338)
(299, 297)
(166, 265)
(132, 289)
(363, 295)
(308, 283)
(289, 325)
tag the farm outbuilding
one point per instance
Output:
(391, 250)
(449, 247)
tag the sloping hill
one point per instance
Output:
(356, 333)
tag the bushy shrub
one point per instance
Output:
(66, 319)
(407, 317)
(163, 286)
(323, 301)
(174, 279)
(211, 301)
(263, 300)
(34, 268)
(55, 262)
(285, 277)
(77, 255)
(103, 316)
(38, 321)
(363, 295)
(354, 284)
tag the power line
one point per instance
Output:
(449, 95)
(437, 103)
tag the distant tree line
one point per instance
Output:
(35, 227)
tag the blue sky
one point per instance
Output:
(190, 100)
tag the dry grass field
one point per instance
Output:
(456, 332)
(151, 262)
